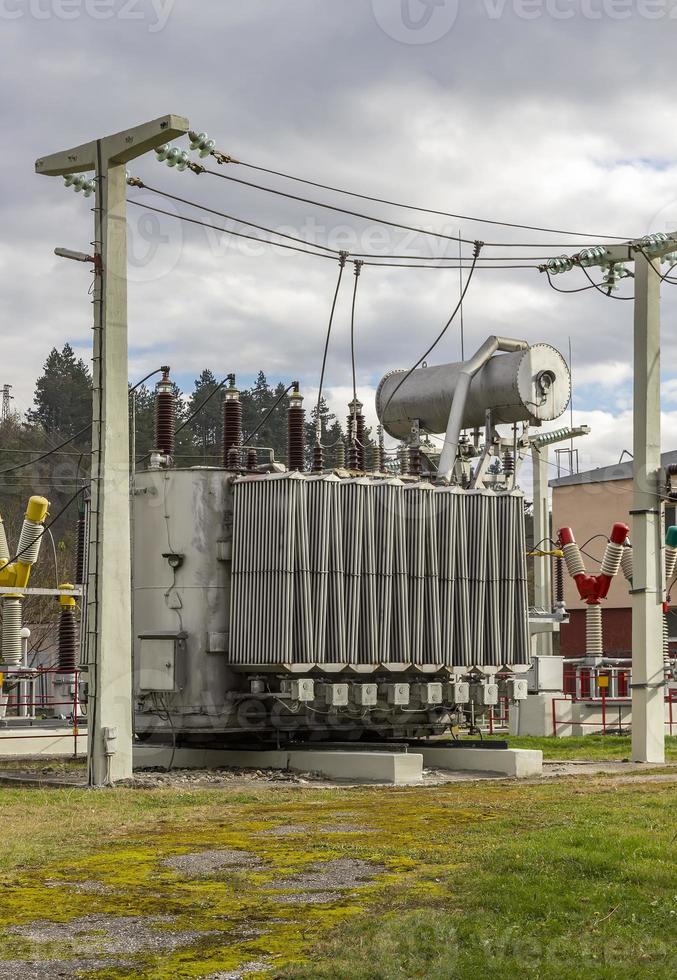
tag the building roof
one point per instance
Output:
(606, 474)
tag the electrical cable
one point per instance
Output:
(358, 269)
(384, 221)
(602, 290)
(190, 418)
(342, 264)
(320, 255)
(580, 289)
(66, 442)
(302, 241)
(51, 452)
(269, 413)
(478, 249)
(412, 207)
(228, 231)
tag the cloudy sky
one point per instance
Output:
(555, 113)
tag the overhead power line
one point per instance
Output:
(317, 245)
(317, 254)
(376, 220)
(422, 210)
(207, 147)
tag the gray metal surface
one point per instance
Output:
(529, 385)
(365, 572)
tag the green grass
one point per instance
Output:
(592, 748)
(559, 879)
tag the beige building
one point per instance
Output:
(590, 504)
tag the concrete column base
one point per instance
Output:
(394, 768)
(518, 763)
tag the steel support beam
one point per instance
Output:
(648, 724)
(109, 640)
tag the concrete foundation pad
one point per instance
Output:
(519, 763)
(36, 741)
(394, 768)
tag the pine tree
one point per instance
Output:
(63, 394)
(204, 431)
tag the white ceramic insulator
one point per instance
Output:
(572, 557)
(666, 645)
(593, 631)
(670, 563)
(611, 561)
(29, 542)
(626, 562)
(4, 548)
(11, 632)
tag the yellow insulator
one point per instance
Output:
(22, 573)
(67, 600)
(37, 509)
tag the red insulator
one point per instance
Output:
(232, 424)
(68, 640)
(80, 554)
(296, 433)
(252, 460)
(165, 415)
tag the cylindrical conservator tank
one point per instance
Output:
(182, 586)
(525, 386)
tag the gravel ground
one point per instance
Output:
(328, 877)
(203, 863)
(52, 969)
(113, 935)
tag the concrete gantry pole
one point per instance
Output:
(648, 690)
(540, 461)
(108, 642)
(648, 587)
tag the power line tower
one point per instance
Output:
(7, 400)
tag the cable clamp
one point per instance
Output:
(223, 157)
(135, 182)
